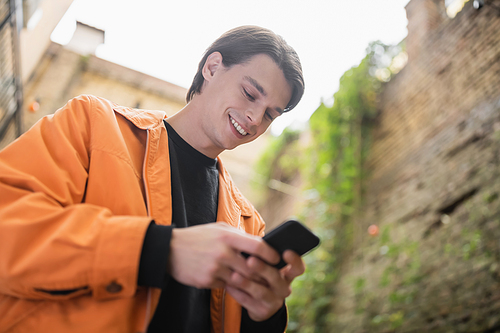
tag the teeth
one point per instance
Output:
(238, 127)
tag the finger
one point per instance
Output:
(227, 255)
(251, 244)
(274, 280)
(223, 274)
(255, 276)
(250, 287)
(295, 265)
(234, 262)
(258, 310)
(241, 297)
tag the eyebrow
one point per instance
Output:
(257, 86)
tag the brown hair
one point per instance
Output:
(240, 44)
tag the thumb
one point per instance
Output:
(295, 265)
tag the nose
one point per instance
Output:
(255, 115)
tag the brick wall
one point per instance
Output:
(434, 187)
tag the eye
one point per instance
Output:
(247, 95)
(268, 116)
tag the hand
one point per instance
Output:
(265, 291)
(206, 256)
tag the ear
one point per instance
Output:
(213, 63)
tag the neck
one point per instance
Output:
(187, 124)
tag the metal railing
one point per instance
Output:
(11, 97)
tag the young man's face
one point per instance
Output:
(243, 100)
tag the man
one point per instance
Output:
(105, 211)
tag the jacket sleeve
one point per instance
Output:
(52, 245)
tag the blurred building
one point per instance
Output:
(25, 28)
(53, 73)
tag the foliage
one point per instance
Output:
(333, 176)
(339, 146)
(278, 164)
(278, 158)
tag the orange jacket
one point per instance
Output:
(77, 193)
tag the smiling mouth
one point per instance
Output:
(238, 127)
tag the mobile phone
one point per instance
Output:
(291, 235)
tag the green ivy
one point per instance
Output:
(332, 171)
(340, 143)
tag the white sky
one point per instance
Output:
(166, 39)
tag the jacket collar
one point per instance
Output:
(142, 119)
(145, 119)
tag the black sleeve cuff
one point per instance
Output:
(154, 256)
(275, 324)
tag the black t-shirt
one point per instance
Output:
(195, 184)
(194, 181)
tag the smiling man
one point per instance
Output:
(107, 224)
(236, 104)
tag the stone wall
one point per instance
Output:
(434, 185)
